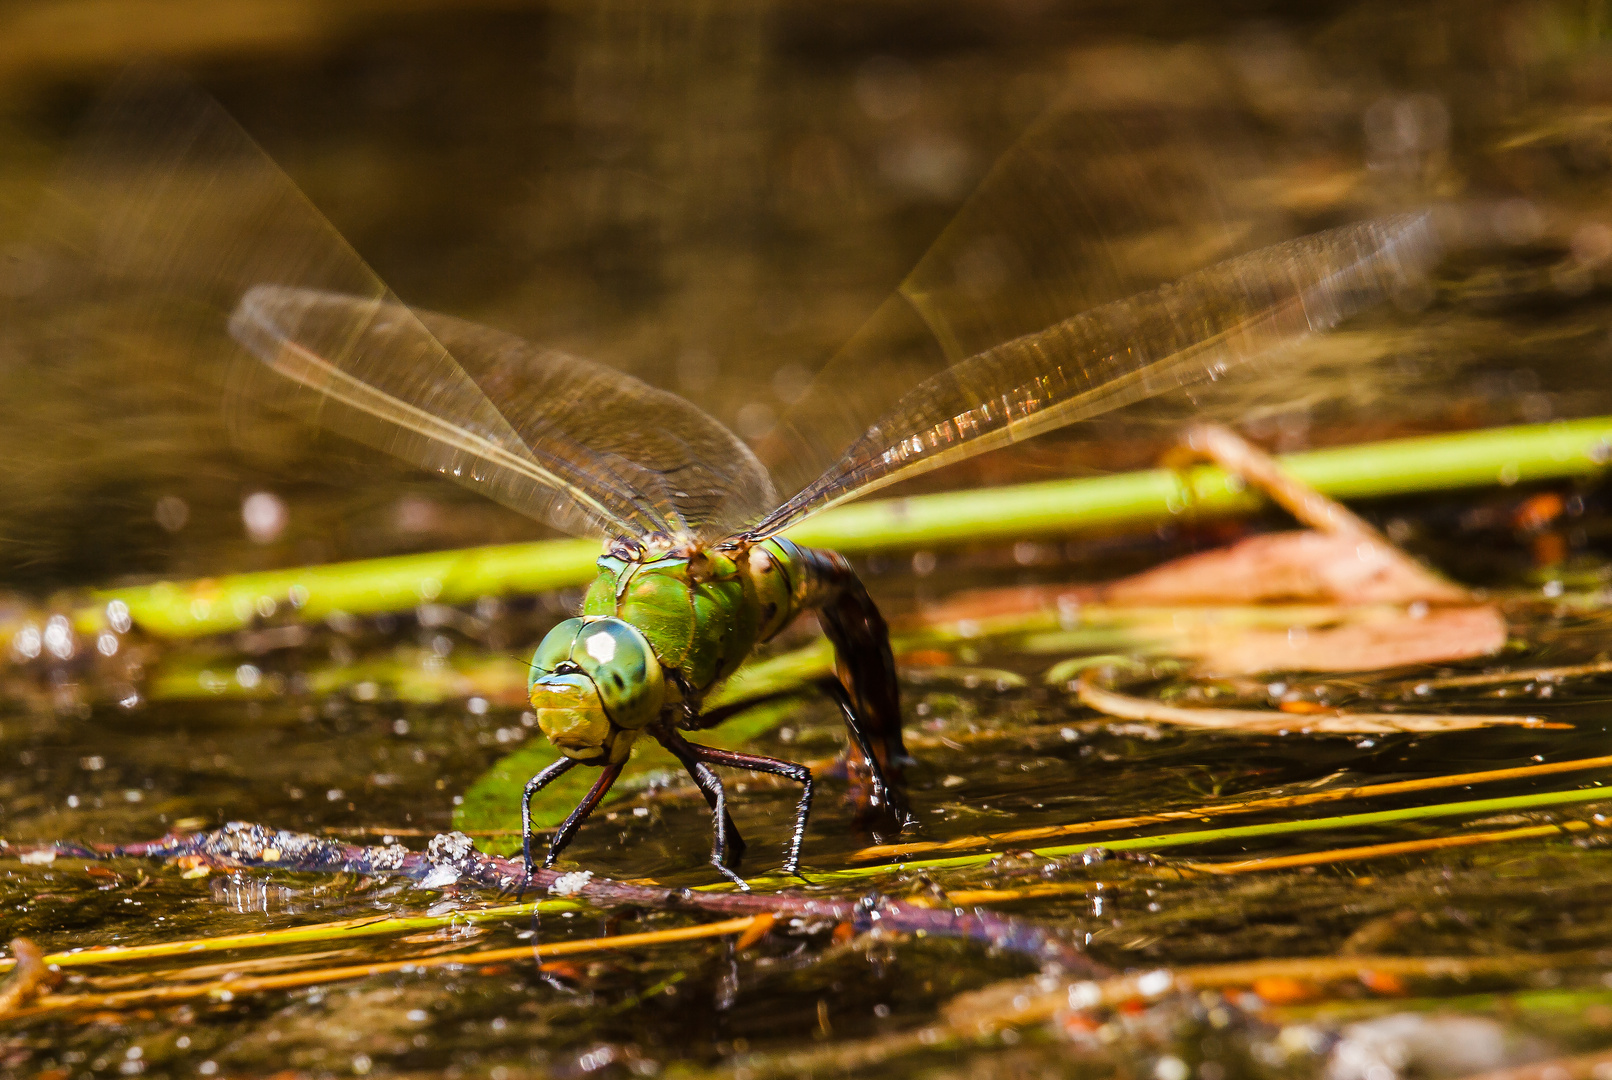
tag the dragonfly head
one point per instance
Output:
(594, 684)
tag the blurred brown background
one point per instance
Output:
(715, 196)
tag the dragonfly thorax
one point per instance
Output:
(594, 684)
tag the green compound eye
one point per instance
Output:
(554, 650)
(623, 668)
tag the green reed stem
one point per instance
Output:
(1244, 832)
(298, 935)
(1395, 467)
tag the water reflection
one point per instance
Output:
(253, 894)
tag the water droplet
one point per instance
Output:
(265, 516)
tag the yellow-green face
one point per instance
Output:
(595, 683)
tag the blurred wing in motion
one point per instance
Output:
(179, 231)
(625, 458)
(1047, 300)
(1193, 330)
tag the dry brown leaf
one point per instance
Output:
(1340, 560)
(1286, 567)
(1382, 638)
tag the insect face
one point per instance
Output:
(595, 683)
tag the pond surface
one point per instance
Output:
(716, 201)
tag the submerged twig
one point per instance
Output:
(1267, 722)
(232, 968)
(453, 859)
(341, 930)
(30, 977)
(1502, 678)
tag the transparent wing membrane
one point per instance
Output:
(584, 447)
(1195, 329)
(1044, 303)
(1074, 282)
(647, 448)
(297, 332)
(188, 234)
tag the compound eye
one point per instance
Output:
(554, 650)
(624, 669)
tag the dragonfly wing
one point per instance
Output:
(1046, 301)
(574, 442)
(1196, 329)
(686, 470)
(181, 233)
(368, 367)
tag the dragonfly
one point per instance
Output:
(697, 568)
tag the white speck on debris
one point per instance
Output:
(450, 847)
(389, 857)
(570, 884)
(440, 875)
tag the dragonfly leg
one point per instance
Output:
(727, 846)
(568, 828)
(883, 796)
(787, 769)
(533, 786)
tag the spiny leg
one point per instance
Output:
(787, 769)
(727, 846)
(726, 839)
(884, 795)
(568, 827)
(533, 786)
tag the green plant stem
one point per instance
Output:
(1395, 467)
(1370, 470)
(297, 935)
(1476, 807)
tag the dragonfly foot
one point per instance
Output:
(740, 882)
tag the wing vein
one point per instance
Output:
(307, 368)
(1196, 328)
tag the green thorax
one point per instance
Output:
(703, 613)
